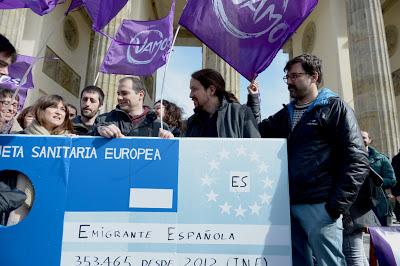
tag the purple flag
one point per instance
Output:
(100, 11)
(151, 41)
(386, 241)
(16, 72)
(247, 34)
(40, 7)
(12, 4)
(75, 4)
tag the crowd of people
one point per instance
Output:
(338, 184)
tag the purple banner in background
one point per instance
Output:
(152, 41)
(386, 241)
(100, 11)
(247, 34)
(40, 7)
(16, 72)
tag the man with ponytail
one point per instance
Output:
(217, 113)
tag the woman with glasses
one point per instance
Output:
(8, 109)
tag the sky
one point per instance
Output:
(186, 60)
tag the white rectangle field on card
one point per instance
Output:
(151, 198)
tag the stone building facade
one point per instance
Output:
(358, 41)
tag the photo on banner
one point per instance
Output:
(17, 197)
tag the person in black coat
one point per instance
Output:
(327, 161)
(217, 112)
(10, 199)
(396, 188)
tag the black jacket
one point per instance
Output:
(233, 121)
(396, 168)
(148, 127)
(10, 199)
(326, 155)
(361, 214)
(80, 128)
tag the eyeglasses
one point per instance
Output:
(7, 104)
(292, 76)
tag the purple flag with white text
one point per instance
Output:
(100, 11)
(386, 241)
(40, 7)
(16, 72)
(151, 41)
(247, 34)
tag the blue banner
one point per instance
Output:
(112, 172)
(148, 201)
(36, 239)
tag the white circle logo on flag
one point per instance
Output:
(148, 44)
(246, 19)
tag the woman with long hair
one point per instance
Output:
(51, 117)
(26, 117)
(172, 115)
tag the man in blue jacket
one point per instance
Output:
(327, 161)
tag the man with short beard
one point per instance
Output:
(327, 161)
(92, 98)
(217, 113)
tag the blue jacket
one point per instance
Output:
(381, 164)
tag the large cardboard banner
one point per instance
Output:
(144, 201)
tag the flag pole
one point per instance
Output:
(165, 74)
(96, 79)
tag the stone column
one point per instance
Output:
(372, 83)
(12, 23)
(98, 48)
(230, 75)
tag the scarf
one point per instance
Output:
(137, 119)
(36, 129)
